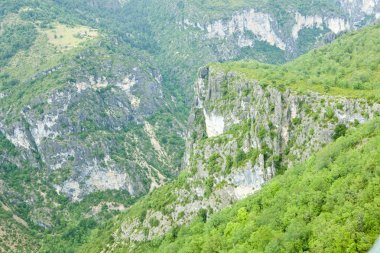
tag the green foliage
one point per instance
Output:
(261, 133)
(213, 165)
(263, 52)
(296, 121)
(15, 38)
(329, 113)
(153, 222)
(209, 183)
(202, 214)
(142, 32)
(229, 164)
(307, 38)
(348, 67)
(242, 158)
(340, 130)
(314, 208)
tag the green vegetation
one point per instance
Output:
(15, 38)
(328, 204)
(350, 67)
(72, 222)
(340, 130)
(277, 8)
(49, 46)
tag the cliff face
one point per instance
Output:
(292, 118)
(70, 128)
(99, 111)
(242, 133)
(250, 28)
(83, 131)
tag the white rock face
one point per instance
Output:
(97, 181)
(250, 180)
(153, 140)
(260, 24)
(43, 129)
(128, 83)
(369, 6)
(62, 158)
(306, 22)
(337, 25)
(108, 180)
(365, 6)
(19, 138)
(214, 124)
(100, 83)
(71, 188)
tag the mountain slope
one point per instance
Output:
(72, 100)
(68, 59)
(94, 96)
(328, 204)
(243, 133)
(348, 67)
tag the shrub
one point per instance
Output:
(340, 130)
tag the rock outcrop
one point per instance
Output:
(83, 136)
(246, 28)
(242, 133)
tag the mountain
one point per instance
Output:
(95, 97)
(327, 204)
(252, 122)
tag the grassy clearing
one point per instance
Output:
(64, 38)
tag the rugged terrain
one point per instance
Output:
(246, 129)
(327, 204)
(95, 96)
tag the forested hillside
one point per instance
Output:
(328, 204)
(247, 129)
(349, 67)
(96, 109)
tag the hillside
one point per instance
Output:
(243, 132)
(348, 67)
(72, 101)
(95, 97)
(327, 204)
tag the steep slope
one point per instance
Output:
(185, 35)
(330, 203)
(56, 61)
(88, 119)
(127, 71)
(244, 131)
(15, 233)
(94, 96)
(73, 97)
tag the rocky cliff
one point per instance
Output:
(250, 28)
(94, 95)
(83, 131)
(70, 128)
(242, 134)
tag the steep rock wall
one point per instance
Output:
(90, 134)
(247, 28)
(242, 133)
